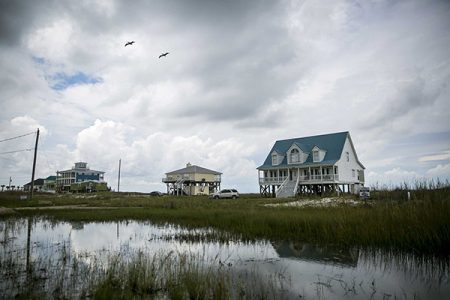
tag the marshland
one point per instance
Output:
(125, 245)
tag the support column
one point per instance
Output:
(321, 173)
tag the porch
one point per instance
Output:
(322, 174)
(287, 182)
(309, 179)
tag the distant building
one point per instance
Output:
(314, 164)
(79, 173)
(49, 183)
(192, 180)
(37, 186)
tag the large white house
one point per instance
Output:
(80, 172)
(314, 164)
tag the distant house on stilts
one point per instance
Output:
(192, 180)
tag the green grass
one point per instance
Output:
(421, 225)
(163, 275)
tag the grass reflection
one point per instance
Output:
(139, 275)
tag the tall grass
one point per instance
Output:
(389, 220)
(163, 275)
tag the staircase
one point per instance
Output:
(288, 188)
(179, 187)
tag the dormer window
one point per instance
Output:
(274, 159)
(316, 156)
(277, 158)
(295, 156)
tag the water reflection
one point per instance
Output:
(313, 272)
(321, 254)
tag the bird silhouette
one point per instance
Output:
(129, 43)
(164, 54)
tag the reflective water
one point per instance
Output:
(309, 272)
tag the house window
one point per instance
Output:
(353, 172)
(347, 155)
(315, 155)
(295, 156)
(274, 159)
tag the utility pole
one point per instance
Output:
(10, 180)
(34, 164)
(118, 180)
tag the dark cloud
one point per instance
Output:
(241, 69)
(13, 18)
(19, 17)
(412, 96)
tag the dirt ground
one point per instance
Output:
(6, 211)
(9, 211)
(324, 202)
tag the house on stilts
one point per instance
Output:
(192, 180)
(311, 165)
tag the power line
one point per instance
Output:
(8, 152)
(16, 137)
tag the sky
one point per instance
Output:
(239, 76)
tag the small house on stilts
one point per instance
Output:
(192, 180)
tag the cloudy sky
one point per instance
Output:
(240, 75)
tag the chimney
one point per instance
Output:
(188, 165)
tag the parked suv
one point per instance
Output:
(228, 193)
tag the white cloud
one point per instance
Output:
(240, 75)
(54, 41)
(445, 155)
(17, 154)
(392, 178)
(398, 172)
(440, 171)
(146, 159)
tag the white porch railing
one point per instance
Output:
(296, 185)
(272, 180)
(281, 186)
(300, 179)
(177, 178)
(323, 177)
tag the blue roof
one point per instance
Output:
(332, 143)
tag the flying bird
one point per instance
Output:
(129, 43)
(164, 54)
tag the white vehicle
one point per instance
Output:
(227, 193)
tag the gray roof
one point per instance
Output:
(332, 143)
(193, 169)
(39, 181)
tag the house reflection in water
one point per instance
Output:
(77, 225)
(322, 254)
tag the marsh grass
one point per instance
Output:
(136, 275)
(389, 220)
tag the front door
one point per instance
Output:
(293, 175)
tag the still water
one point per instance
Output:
(309, 271)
